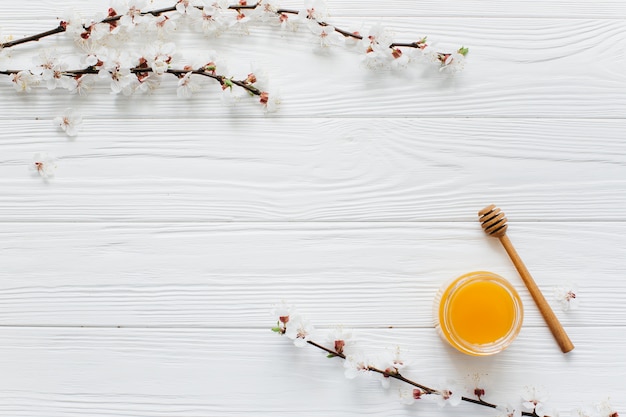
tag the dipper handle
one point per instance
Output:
(494, 224)
(557, 330)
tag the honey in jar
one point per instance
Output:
(479, 313)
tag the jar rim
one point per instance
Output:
(447, 330)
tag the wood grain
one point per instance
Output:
(229, 275)
(206, 372)
(138, 281)
(605, 9)
(559, 68)
(332, 170)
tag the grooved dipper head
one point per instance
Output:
(493, 221)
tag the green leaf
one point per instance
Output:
(277, 330)
(331, 355)
(463, 50)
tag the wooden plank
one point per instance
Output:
(174, 372)
(228, 275)
(138, 281)
(562, 67)
(320, 170)
(606, 9)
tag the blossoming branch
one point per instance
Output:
(390, 368)
(103, 47)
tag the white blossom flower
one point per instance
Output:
(212, 20)
(136, 85)
(90, 60)
(121, 78)
(240, 24)
(89, 55)
(356, 364)
(326, 35)
(107, 34)
(534, 400)
(585, 411)
(99, 32)
(288, 23)
(188, 9)
(299, 330)
(551, 412)
(160, 56)
(117, 69)
(408, 394)
(163, 25)
(397, 360)
(352, 41)
(24, 81)
(259, 77)
(567, 296)
(509, 411)
(390, 363)
(4, 38)
(81, 85)
(3, 60)
(3, 53)
(377, 38)
(605, 409)
(400, 59)
(314, 10)
(291, 324)
(266, 12)
(405, 395)
(73, 23)
(270, 101)
(283, 314)
(216, 4)
(478, 384)
(58, 79)
(341, 340)
(210, 62)
(187, 86)
(450, 394)
(70, 122)
(453, 62)
(282, 311)
(375, 45)
(43, 164)
(131, 12)
(101, 28)
(230, 97)
(148, 84)
(50, 70)
(378, 59)
(430, 55)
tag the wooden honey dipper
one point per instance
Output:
(494, 224)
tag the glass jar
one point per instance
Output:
(479, 313)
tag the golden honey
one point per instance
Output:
(479, 313)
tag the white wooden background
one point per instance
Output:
(138, 282)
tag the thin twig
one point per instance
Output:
(33, 38)
(399, 377)
(112, 19)
(222, 79)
